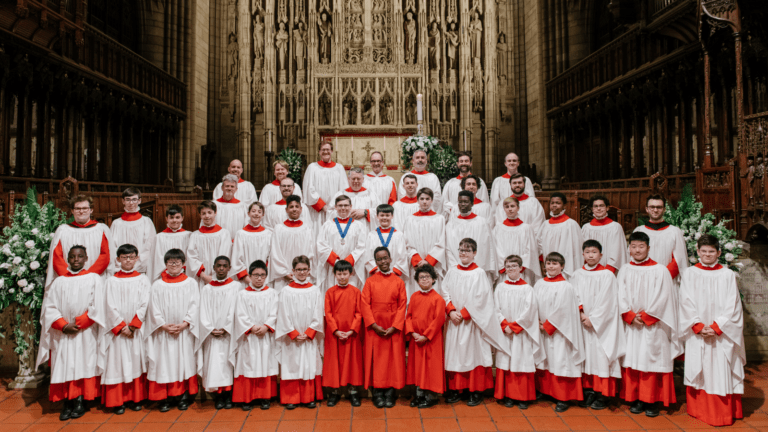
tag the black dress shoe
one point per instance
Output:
(66, 411)
(429, 402)
(508, 402)
(589, 397)
(599, 404)
(561, 406)
(475, 399)
(219, 402)
(184, 401)
(540, 396)
(452, 396)
(378, 401)
(333, 399)
(135, 406)
(228, 400)
(354, 399)
(652, 410)
(120, 410)
(416, 401)
(78, 408)
(165, 405)
(247, 406)
(637, 407)
(522, 405)
(290, 406)
(265, 404)
(312, 404)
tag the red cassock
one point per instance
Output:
(426, 316)
(383, 303)
(343, 360)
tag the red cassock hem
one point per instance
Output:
(606, 386)
(649, 387)
(221, 390)
(713, 409)
(114, 395)
(478, 379)
(88, 388)
(560, 388)
(301, 391)
(249, 389)
(515, 385)
(159, 391)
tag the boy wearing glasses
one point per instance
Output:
(172, 333)
(472, 330)
(174, 236)
(669, 248)
(253, 350)
(122, 352)
(299, 335)
(133, 228)
(608, 233)
(467, 224)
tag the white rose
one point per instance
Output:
(22, 283)
(29, 288)
(35, 231)
(34, 265)
(11, 290)
(693, 260)
(697, 236)
(729, 245)
(44, 254)
(16, 237)
(729, 257)
(2, 283)
(17, 260)
(50, 235)
(30, 244)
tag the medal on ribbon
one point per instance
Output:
(346, 230)
(381, 238)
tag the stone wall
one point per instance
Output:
(753, 284)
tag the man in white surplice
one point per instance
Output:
(322, 180)
(454, 185)
(246, 192)
(364, 202)
(501, 188)
(425, 179)
(381, 185)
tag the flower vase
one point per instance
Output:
(27, 377)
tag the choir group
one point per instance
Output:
(318, 291)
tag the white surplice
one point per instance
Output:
(649, 289)
(288, 242)
(562, 234)
(321, 182)
(270, 193)
(68, 235)
(251, 244)
(425, 180)
(468, 345)
(140, 233)
(276, 215)
(398, 251)
(330, 247)
(425, 237)
(73, 356)
(231, 215)
(173, 358)
(517, 238)
(559, 304)
(382, 187)
(246, 192)
(217, 311)
(611, 237)
(361, 200)
(253, 356)
(166, 240)
(714, 365)
(531, 212)
(451, 194)
(604, 343)
(500, 189)
(404, 208)
(299, 309)
(516, 303)
(124, 359)
(667, 243)
(204, 246)
(479, 208)
(476, 228)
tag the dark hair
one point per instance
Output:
(471, 176)
(174, 254)
(381, 248)
(258, 204)
(469, 242)
(425, 190)
(515, 259)
(173, 210)
(464, 153)
(301, 259)
(468, 194)
(85, 251)
(206, 205)
(222, 257)
(384, 208)
(708, 240)
(556, 257)
(516, 176)
(426, 268)
(656, 197)
(292, 198)
(258, 264)
(342, 265)
(640, 236)
(599, 198)
(592, 243)
(81, 198)
(131, 191)
(127, 249)
(343, 197)
(559, 195)
(411, 176)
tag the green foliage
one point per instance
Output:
(442, 158)
(293, 159)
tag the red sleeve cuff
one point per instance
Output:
(199, 272)
(465, 313)
(628, 317)
(350, 259)
(293, 335)
(368, 216)
(611, 268)
(415, 260)
(697, 328)
(84, 321)
(242, 275)
(541, 258)
(118, 328)
(310, 333)
(674, 270)
(716, 328)
(136, 322)
(504, 324)
(503, 271)
(449, 308)
(516, 327)
(318, 205)
(374, 270)
(549, 328)
(581, 308)
(397, 272)
(59, 324)
(647, 319)
(270, 329)
(431, 260)
(332, 258)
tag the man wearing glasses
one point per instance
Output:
(667, 245)
(133, 228)
(95, 236)
(608, 232)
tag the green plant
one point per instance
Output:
(413, 143)
(442, 162)
(293, 159)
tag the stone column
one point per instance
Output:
(244, 87)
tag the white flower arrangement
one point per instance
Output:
(442, 158)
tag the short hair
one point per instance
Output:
(207, 204)
(599, 198)
(174, 254)
(301, 259)
(127, 249)
(376, 152)
(515, 259)
(288, 178)
(292, 198)
(222, 257)
(81, 198)
(258, 264)
(384, 208)
(381, 248)
(464, 153)
(656, 197)
(230, 178)
(425, 190)
(410, 176)
(516, 176)
(469, 242)
(420, 150)
(282, 163)
(468, 194)
(556, 257)
(640, 236)
(131, 191)
(342, 265)
(78, 247)
(708, 240)
(324, 142)
(559, 195)
(592, 243)
(356, 170)
(173, 210)
(511, 199)
(426, 268)
(257, 204)
(471, 176)
(343, 197)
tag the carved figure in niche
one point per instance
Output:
(323, 109)
(476, 35)
(324, 33)
(233, 53)
(749, 174)
(477, 86)
(258, 37)
(357, 36)
(357, 20)
(410, 39)
(452, 38)
(434, 47)
(377, 35)
(232, 17)
(281, 42)
(759, 174)
(501, 55)
(410, 110)
(369, 115)
(385, 111)
(299, 38)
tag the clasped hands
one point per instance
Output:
(382, 332)
(343, 335)
(175, 329)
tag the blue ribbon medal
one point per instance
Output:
(346, 230)
(385, 243)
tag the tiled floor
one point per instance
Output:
(31, 411)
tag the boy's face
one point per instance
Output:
(127, 261)
(221, 268)
(466, 254)
(301, 271)
(470, 185)
(258, 277)
(709, 255)
(425, 281)
(342, 277)
(383, 261)
(174, 267)
(465, 204)
(512, 269)
(410, 186)
(174, 221)
(425, 202)
(294, 210)
(385, 219)
(343, 208)
(511, 209)
(76, 258)
(208, 217)
(599, 209)
(638, 250)
(256, 215)
(553, 268)
(592, 256)
(131, 203)
(556, 205)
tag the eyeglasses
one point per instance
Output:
(465, 251)
(513, 266)
(81, 209)
(599, 206)
(425, 277)
(301, 270)
(132, 200)
(174, 263)
(129, 257)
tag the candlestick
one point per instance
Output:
(419, 116)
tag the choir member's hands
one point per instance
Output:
(707, 332)
(508, 330)
(419, 338)
(246, 280)
(390, 331)
(541, 325)
(171, 329)
(357, 214)
(126, 331)
(217, 332)
(259, 330)
(71, 328)
(422, 262)
(455, 317)
(585, 321)
(302, 337)
(343, 335)
(289, 277)
(378, 329)
(206, 278)
(638, 320)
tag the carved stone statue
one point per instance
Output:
(434, 47)
(758, 185)
(476, 35)
(258, 36)
(299, 39)
(232, 17)
(369, 116)
(233, 56)
(410, 39)
(324, 33)
(501, 55)
(281, 42)
(323, 108)
(452, 38)
(410, 111)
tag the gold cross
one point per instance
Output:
(368, 149)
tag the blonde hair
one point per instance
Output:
(282, 163)
(512, 199)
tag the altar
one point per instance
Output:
(355, 149)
